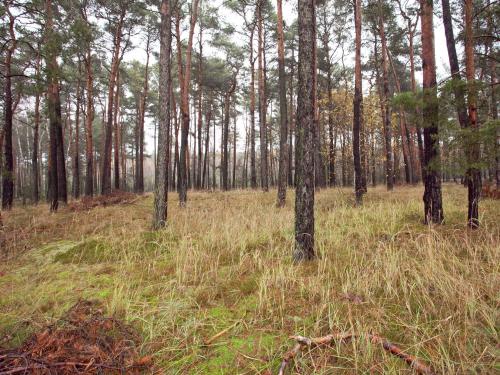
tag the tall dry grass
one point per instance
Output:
(225, 261)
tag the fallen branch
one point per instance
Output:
(305, 342)
(221, 333)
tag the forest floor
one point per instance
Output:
(217, 293)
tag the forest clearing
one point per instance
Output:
(249, 187)
(224, 264)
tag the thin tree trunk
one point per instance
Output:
(76, 145)
(458, 89)
(185, 80)
(89, 119)
(235, 133)
(225, 136)
(433, 207)
(282, 181)
(407, 144)
(208, 117)
(108, 131)
(117, 133)
(359, 174)
(143, 102)
(54, 111)
(389, 157)
(292, 125)
(36, 137)
(200, 102)
(473, 147)
(253, 170)
(264, 173)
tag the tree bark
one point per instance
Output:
(253, 170)
(306, 97)
(89, 119)
(76, 145)
(8, 168)
(458, 88)
(36, 137)
(235, 135)
(264, 172)
(208, 117)
(292, 125)
(282, 181)
(54, 110)
(198, 184)
(433, 207)
(359, 174)
(117, 135)
(108, 131)
(473, 147)
(389, 157)
(143, 102)
(184, 81)
(161, 180)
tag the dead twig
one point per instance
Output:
(221, 333)
(305, 342)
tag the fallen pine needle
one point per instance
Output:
(251, 358)
(303, 342)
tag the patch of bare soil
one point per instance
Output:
(84, 341)
(116, 197)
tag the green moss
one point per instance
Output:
(221, 313)
(88, 252)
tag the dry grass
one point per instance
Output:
(225, 261)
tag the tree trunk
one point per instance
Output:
(235, 134)
(76, 145)
(200, 102)
(208, 117)
(108, 131)
(225, 136)
(89, 119)
(389, 157)
(473, 147)
(331, 130)
(184, 81)
(306, 97)
(253, 171)
(54, 111)
(264, 173)
(36, 137)
(433, 207)
(282, 181)
(61, 159)
(458, 89)
(407, 144)
(418, 131)
(143, 102)
(358, 110)
(116, 132)
(292, 125)
(8, 169)
(161, 180)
